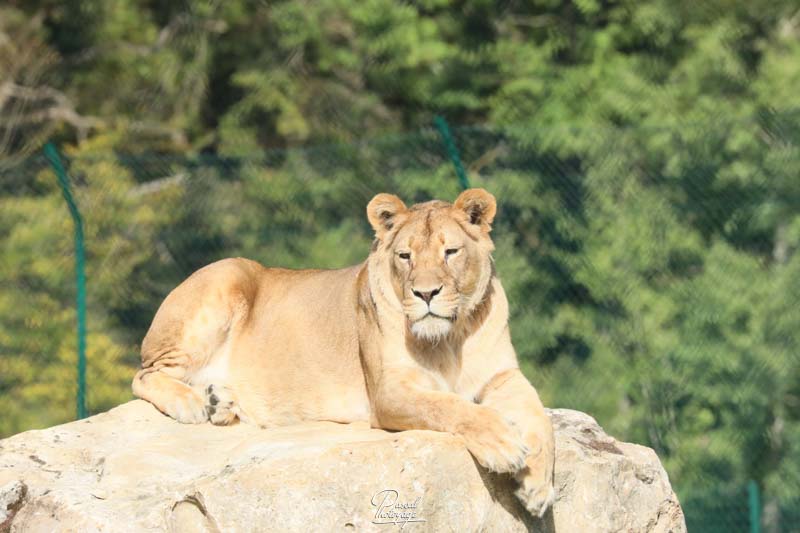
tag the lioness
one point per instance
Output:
(416, 337)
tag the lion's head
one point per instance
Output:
(437, 257)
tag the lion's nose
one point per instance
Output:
(427, 296)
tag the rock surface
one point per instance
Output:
(133, 469)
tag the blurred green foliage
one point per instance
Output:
(645, 155)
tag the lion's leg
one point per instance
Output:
(406, 401)
(512, 395)
(163, 388)
(187, 352)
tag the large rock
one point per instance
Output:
(133, 469)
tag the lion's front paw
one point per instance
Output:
(220, 403)
(496, 443)
(536, 495)
(187, 408)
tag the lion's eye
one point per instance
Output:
(405, 256)
(450, 251)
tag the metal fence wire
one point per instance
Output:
(652, 274)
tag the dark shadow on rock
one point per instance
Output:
(501, 487)
(13, 499)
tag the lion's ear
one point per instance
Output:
(382, 212)
(479, 205)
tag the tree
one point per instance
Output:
(644, 154)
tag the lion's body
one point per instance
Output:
(416, 337)
(268, 335)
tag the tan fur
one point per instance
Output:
(416, 337)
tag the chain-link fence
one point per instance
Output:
(652, 274)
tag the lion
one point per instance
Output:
(415, 337)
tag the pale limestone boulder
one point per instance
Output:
(133, 469)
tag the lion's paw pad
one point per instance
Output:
(220, 405)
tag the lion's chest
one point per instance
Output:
(462, 373)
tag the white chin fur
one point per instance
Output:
(431, 328)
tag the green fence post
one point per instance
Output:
(51, 152)
(452, 150)
(754, 503)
